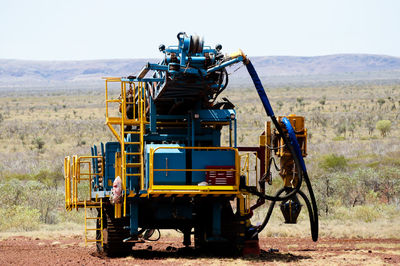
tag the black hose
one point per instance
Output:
(268, 172)
(312, 213)
(268, 109)
(158, 238)
(220, 83)
(269, 213)
(300, 167)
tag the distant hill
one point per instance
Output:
(31, 73)
(272, 69)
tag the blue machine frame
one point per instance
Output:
(174, 172)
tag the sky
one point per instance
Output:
(99, 29)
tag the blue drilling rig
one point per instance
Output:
(167, 168)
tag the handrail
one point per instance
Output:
(191, 187)
(137, 99)
(74, 182)
(122, 143)
(246, 166)
(71, 185)
(245, 170)
(67, 180)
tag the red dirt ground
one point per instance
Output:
(18, 250)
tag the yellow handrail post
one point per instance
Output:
(134, 105)
(90, 179)
(75, 160)
(85, 223)
(151, 170)
(124, 178)
(237, 165)
(123, 153)
(101, 220)
(106, 99)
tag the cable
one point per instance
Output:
(268, 173)
(275, 148)
(223, 72)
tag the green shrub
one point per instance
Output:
(341, 213)
(384, 127)
(366, 213)
(339, 138)
(34, 195)
(322, 101)
(381, 102)
(18, 218)
(38, 144)
(333, 162)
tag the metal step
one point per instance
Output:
(93, 205)
(93, 240)
(133, 153)
(133, 164)
(133, 143)
(137, 174)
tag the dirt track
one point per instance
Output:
(71, 251)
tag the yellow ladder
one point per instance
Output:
(137, 101)
(139, 119)
(94, 205)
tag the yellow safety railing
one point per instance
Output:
(74, 175)
(67, 179)
(245, 170)
(215, 189)
(135, 97)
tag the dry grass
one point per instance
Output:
(50, 232)
(70, 121)
(335, 229)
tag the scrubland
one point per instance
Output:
(354, 167)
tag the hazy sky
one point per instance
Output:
(94, 29)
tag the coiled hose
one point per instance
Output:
(295, 151)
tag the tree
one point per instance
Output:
(323, 100)
(381, 102)
(38, 143)
(370, 125)
(384, 127)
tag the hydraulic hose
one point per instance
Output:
(269, 213)
(312, 213)
(295, 151)
(312, 209)
(267, 106)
